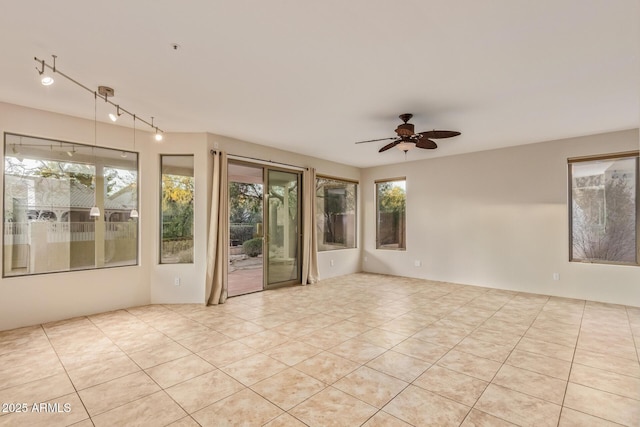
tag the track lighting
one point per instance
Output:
(114, 117)
(158, 135)
(103, 91)
(45, 78)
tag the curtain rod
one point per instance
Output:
(237, 157)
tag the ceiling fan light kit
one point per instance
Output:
(407, 139)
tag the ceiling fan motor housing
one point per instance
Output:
(405, 129)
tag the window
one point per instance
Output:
(336, 213)
(390, 214)
(50, 190)
(177, 209)
(604, 209)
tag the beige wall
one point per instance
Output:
(47, 297)
(498, 219)
(42, 298)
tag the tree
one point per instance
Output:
(604, 219)
(177, 206)
(338, 198)
(245, 203)
(391, 210)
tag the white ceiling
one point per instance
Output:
(314, 77)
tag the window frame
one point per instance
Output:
(356, 212)
(161, 211)
(635, 155)
(61, 146)
(404, 214)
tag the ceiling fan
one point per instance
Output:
(408, 139)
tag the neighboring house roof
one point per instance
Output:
(53, 193)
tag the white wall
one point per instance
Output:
(499, 219)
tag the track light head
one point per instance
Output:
(46, 80)
(158, 136)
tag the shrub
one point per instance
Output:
(253, 247)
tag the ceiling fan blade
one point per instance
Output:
(375, 140)
(426, 143)
(438, 134)
(389, 146)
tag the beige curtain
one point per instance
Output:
(309, 233)
(218, 240)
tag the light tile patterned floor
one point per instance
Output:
(357, 350)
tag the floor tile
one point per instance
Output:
(571, 418)
(332, 407)
(607, 362)
(517, 407)
(382, 419)
(243, 408)
(288, 388)
(420, 407)
(203, 390)
(451, 384)
(226, 353)
(602, 404)
(327, 367)
(540, 363)
(179, 370)
(114, 393)
(546, 348)
(358, 351)
(623, 385)
(477, 418)
(469, 364)
(496, 352)
(157, 355)
(102, 371)
(253, 369)
(285, 420)
(399, 365)
(531, 383)
(427, 351)
(156, 409)
(292, 352)
(371, 386)
(183, 422)
(382, 338)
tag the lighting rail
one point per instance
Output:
(103, 93)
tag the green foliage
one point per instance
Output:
(253, 247)
(177, 206)
(391, 198)
(245, 203)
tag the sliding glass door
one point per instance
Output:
(283, 227)
(264, 228)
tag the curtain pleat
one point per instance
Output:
(309, 234)
(218, 239)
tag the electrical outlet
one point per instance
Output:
(417, 263)
(176, 281)
(331, 263)
(556, 276)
